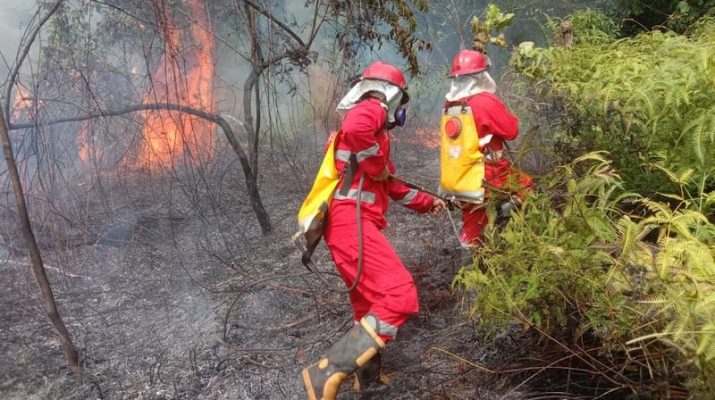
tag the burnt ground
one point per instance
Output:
(177, 295)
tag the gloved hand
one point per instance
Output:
(437, 205)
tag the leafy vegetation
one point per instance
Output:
(612, 261)
(677, 15)
(489, 31)
(582, 265)
(648, 100)
(362, 22)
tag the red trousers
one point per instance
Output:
(502, 176)
(385, 289)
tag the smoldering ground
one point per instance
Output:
(205, 307)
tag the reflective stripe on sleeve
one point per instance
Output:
(342, 155)
(367, 153)
(411, 195)
(366, 197)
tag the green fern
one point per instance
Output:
(552, 261)
(645, 102)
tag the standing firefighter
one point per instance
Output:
(475, 126)
(384, 295)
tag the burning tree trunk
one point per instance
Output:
(184, 76)
(38, 268)
(169, 134)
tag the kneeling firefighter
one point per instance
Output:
(383, 294)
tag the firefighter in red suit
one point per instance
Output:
(385, 295)
(472, 84)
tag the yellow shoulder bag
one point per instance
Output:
(313, 214)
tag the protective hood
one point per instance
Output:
(393, 96)
(468, 85)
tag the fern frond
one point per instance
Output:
(661, 210)
(598, 156)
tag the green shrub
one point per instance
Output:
(589, 27)
(647, 100)
(677, 15)
(586, 262)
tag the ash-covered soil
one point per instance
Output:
(176, 295)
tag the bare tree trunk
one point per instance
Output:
(251, 127)
(249, 175)
(38, 268)
(252, 84)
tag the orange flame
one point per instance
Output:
(83, 142)
(22, 103)
(87, 148)
(425, 137)
(185, 77)
(429, 138)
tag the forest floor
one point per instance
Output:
(177, 301)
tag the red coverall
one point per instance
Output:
(386, 288)
(492, 118)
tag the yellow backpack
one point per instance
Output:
(313, 214)
(461, 161)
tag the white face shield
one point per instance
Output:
(468, 85)
(393, 96)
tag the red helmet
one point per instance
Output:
(468, 62)
(385, 72)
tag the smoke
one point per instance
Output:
(15, 15)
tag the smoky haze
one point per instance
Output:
(15, 15)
